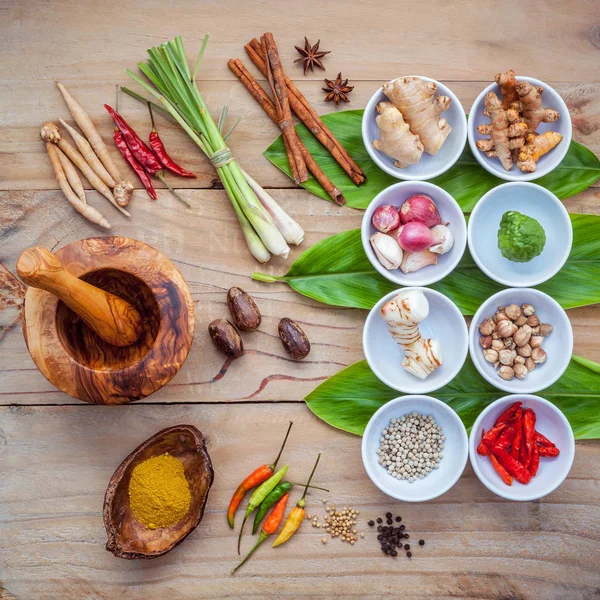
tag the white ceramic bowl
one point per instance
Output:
(384, 355)
(531, 200)
(450, 212)
(429, 166)
(550, 422)
(558, 345)
(440, 480)
(548, 162)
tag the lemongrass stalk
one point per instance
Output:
(290, 229)
(255, 245)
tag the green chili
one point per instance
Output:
(276, 493)
(260, 493)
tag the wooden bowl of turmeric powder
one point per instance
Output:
(156, 497)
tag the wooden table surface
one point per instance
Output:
(57, 454)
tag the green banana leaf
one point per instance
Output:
(348, 400)
(466, 181)
(337, 271)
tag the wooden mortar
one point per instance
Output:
(106, 348)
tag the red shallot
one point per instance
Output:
(386, 218)
(415, 236)
(420, 207)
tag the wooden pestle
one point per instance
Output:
(111, 317)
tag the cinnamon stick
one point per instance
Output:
(257, 92)
(307, 114)
(276, 79)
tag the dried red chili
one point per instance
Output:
(516, 446)
(504, 474)
(550, 452)
(160, 152)
(491, 436)
(128, 156)
(535, 460)
(543, 440)
(529, 435)
(512, 465)
(509, 413)
(506, 437)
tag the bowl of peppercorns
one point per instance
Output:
(415, 448)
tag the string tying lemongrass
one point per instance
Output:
(170, 81)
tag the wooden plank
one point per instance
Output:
(212, 262)
(26, 166)
(469, 41)
(57, 462)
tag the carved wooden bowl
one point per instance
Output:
(76, 360)
(127, 537)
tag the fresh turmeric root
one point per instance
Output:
(508, 88)
(396, 140)
(420, 107)
(535, 147)
(533, 112)
(505, 131)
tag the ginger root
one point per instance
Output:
(535, 147)
(420, 107)
(396, 140)
(533, 112)
(403, 313)
(505, 131)
(508, 88)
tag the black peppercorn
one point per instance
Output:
(406, 536)
(407, 546)
(409, 554)
(379, 529)
(379, 520)
(402, 527)
(421, 542)
(394, 553)
(388, 515)
(398, 519)
(371, 523)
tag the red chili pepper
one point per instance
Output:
(512, 465)
(543, 440)
(516, 447)
(491, 436)
(138, 147)
(504, 474)
(128, 156)
(259, 475)
(529, 435)
(550, 452)
(509, 413)
(506, 437)
(535, 460)
(160, 152)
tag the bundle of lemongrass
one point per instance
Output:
(267, 227)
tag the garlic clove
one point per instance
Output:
(444, 239)
(387, 250)
(413, 261)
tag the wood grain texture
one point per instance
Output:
(127, 537)
(57, 462)
(74, 358)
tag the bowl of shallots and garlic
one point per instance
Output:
(415, 340)
(414, 128)
(414, 233)
(519, 128)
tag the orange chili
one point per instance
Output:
(269, 528)
(255, 478)
(296, 515)
(160, 152)
(504, 474)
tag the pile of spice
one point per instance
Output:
(411, 446)
(391, 537)
(514, 446)
(159, 492)
(338, 523)
(512, 340)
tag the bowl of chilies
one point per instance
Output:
(521, 447)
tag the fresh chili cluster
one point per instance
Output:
(514, 446)
(270, 492)
(145, 161)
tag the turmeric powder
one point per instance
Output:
(159, 493)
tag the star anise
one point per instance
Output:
(311, 56)
(337, 90)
